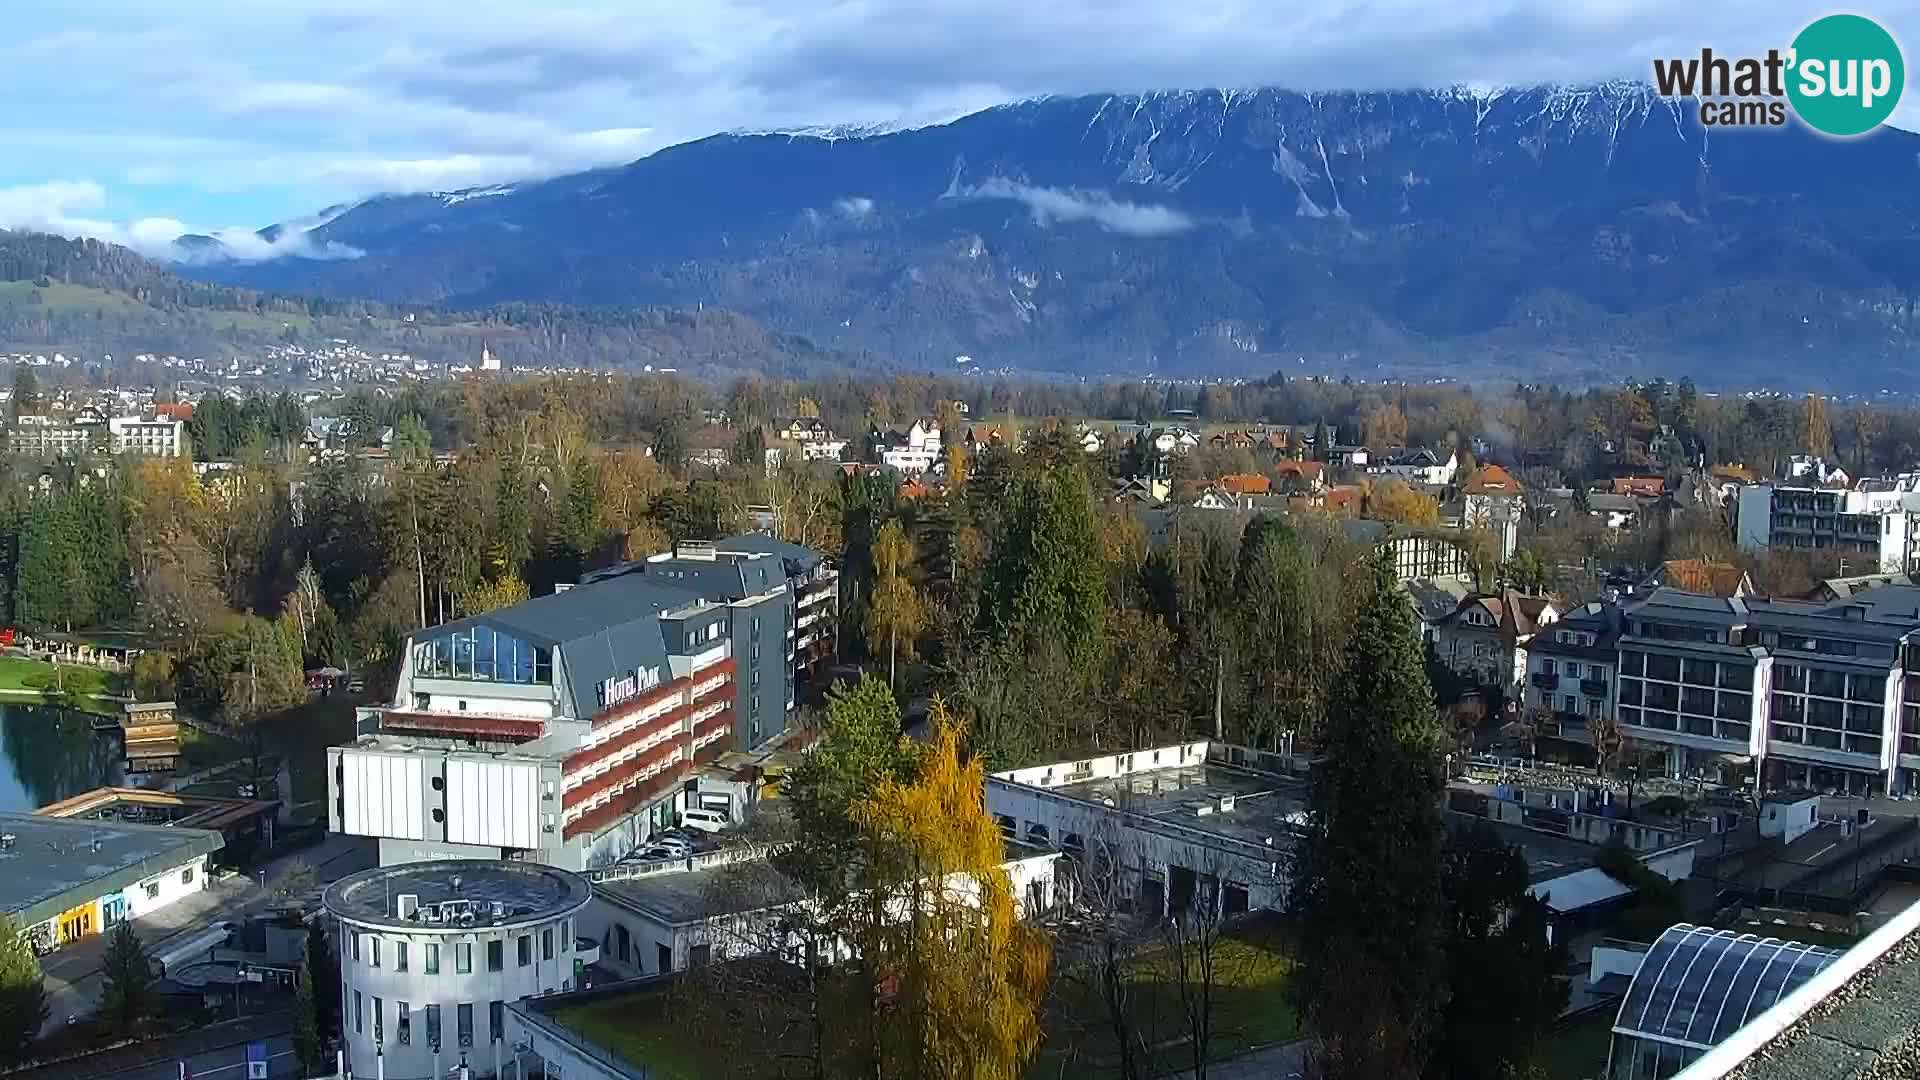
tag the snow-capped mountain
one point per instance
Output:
(1564, 231)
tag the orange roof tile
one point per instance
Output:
(1491, 480)
(1246, 484)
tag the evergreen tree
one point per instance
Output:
(324, 962)
(1044, 581)
(126, 992)
(308, 1049)
(23, 994)
(512, 520)
(1371, 975)
(1503, 975)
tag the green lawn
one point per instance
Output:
(61, 297)
(1578, 1051)
(82, 685)
(1250, 1009)
(637, 1027)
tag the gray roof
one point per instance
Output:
(803, 558)
(527, 892)
(52, 864)
(680, 897)
(1437, 598)
(1869, 1028)
(604, 628)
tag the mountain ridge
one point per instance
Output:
(1218, 232)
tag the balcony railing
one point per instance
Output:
(1545, 681)
(1593, 687)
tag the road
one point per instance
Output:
(73, 972)
(227, 1064)
(1272, 1063)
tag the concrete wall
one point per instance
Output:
(447, 989)
(181, 881)
(1789, 821)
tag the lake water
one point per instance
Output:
(53, 754)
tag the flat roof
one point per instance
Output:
(1547, 856)
(1262, 802)
(54, 864)
(1864, 1029)
(680, 897)
(525, 892)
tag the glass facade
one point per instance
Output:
(484, 654)
(1828, 709)
(1695, 987)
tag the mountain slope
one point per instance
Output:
(1553, 232)
(86, 297)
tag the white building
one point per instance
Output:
(147, 437)
(1417, 466)
(1881, 526)
(63, 879)
(917, 452)
(1200, 823)
(431, 954)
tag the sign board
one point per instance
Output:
(619, 688)
(257, 1061)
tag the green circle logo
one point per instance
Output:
(1845, 75)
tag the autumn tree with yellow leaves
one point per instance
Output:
(896, 613)
(967, 977)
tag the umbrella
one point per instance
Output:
(330, 672)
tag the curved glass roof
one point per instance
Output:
(1697, 985)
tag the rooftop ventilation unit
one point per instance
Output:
(695, 549)
(407, 905)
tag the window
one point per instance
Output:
(525, 949)
(186, 876)
(356, 947)
(153, 890)
(373, 951)
(566, 936)
(379, 1029)
(359, 1015)
(1568, 704)
(433, 959)
(463, 958)
(496, 955)
(399, 956)
(1573, 669)
(402, 1024)
(1547, 667)
(433, 1026)
(546, 943)
(496, 1020)
(464, 1020)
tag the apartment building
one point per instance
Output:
(1881, 527)
(1803, 694)
(40, 436)
(1572, 668)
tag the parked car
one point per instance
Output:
(704, 820)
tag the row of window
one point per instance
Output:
(403, 1020)
(1574, 670)
(1707, 726)
(462, 951)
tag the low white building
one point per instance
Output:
(63, 879)
(431, 954)
(1202, 823)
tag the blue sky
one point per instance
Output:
(135, 120)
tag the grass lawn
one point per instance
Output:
(1579, 1050)
(82, 684)
(636, 1027)
(1250, 1009)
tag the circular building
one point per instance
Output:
(432, 952)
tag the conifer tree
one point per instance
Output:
(126, 995)
(1371, 980)
(23, 994)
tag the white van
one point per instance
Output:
(703, 819)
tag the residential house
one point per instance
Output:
(1417, 553)
(1420, 466)
(1813, 469)
(1617, 512)
(1571, 669)
(1218, 497)
(1435, 599)
(1175, 440)
(803, 429)
(1342, 457)
(1231, 440)
(913, 452)
(1640, 487)
(1492, 499)
(1307, 477)
(1141, 491)
(1486, 637)
(1246, 484)
(1843, 588)
(1089, 439)
(1700, 576)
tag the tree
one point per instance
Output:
(1817, 432)
(126, 992)
(1504, 976)
(1384, 428)
(969, 976)
(23, 994)
(266, 677)
(1398, 502)
(487, 596)
(1044, 579)
(308, 1048)
(860, 747)
(153, 677)
(1370, 981)
(895, 612)
(1291, 609)
(1524, 572)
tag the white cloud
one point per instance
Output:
(1049, 205)
(854, 206)
(291, 104)
(72, 208)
